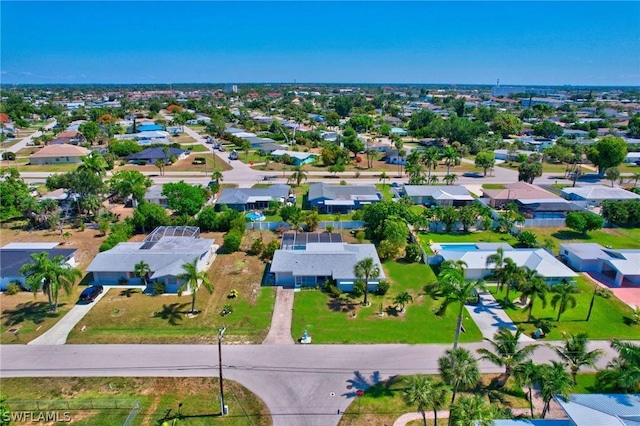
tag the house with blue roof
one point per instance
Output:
(243, 199)
(151, 155)
(298, 158)
(341, 198)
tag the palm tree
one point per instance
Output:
(191, 279)
(366, 269)
(297, 176)
(533, 286)
(383, 177)
(623, 372)
(635, 178)
(574, 353)
(142, 270)
(425, 393)
(217, 176)
(472, 411)
(553, 380)
(451, 157)
(525, 374)
(506, 352)
(430, 159)
(94, 162)
(50, 274)
(563, 296)
(450, 179)
(456, 289)
(512, 275)
(160, 164)
(459, 369)
(498, 260)
(433, 180)
(402, 299)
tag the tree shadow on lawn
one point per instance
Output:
(36, 312)
(173, 313)
(570, 235)
(373, 385)
(336, 304)
(129, 292)
(497, 390)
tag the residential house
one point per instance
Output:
(151, 155)
(341, 198)
(72, 137)
(329, 136)
(595, 195)
(242, 199)
(298, 158)
(546, 208)
(475, 257)
(154, 196)
(614, 265)
(14, 255)
(448, 195)
(392, 156)
(632, 157)
(59, 154)
(399, 131)
(149, 128)
(511, 192)
(165, 251)
(506, 155)
(308, 264)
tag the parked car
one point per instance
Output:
(89, 294)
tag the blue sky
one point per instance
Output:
(541, 43)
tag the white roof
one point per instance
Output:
(43, 246)
(599, 192)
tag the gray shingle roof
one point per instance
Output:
(447, 192)
(11, 260)
(151, 154)
(603, 409)
(241, 195)
(342, 192)
(325, 259)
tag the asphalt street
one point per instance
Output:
(301, 384)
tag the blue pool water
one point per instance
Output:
(459, 247)
(255, 216)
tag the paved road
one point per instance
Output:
(301, 384)
(23, 143)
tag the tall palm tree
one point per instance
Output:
(635, 178)
(366, 269)
(575, 355)
(425, 393)
(450, 179)
(533, 286)
(506, 351)
(216, 175)
(459, 369)
(623, 372)
(430, 159)
(472, 411)
(497, 259)
(160, 164)
(451, 157)
(453, 286)
(525, 374)
(512, 275)
(191, 279)
(563, 296)
(433, 180)
(142, 270)
(297, 176)
(94, 162)
(553, 380)
(383, 178)
(50, 274)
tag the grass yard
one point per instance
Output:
(195, 147)
(614, 237)
(124, 316)
(547, 167)
(609, 317)
(24, 167)
(382, 403)
(493, 186)
(331, 320)
(183, 138)
(385, 190)
(159, 399)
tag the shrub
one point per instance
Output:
(544, 325)
(232, 241)
(270, 249)
(233, 294)
(214, 187)
(226, 310)
(388, 250)
(8, 155)
(360, 236)
(13, 288)
(257, 247)
(158, 288)
(358, 289)
(604, 292)
(527, 239)
(413, 253)
(383, 288)
(343, 182)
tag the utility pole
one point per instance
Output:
(220, 334)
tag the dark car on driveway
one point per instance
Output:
(89, 294)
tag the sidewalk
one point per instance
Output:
(490, 317)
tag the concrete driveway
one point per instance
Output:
(280, 331)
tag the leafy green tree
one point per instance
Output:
(425, 393)
(547, 129)
(14, 194)
(90, 130)
(376, 215)
(395, 230)
(459, 369)
(472, 411)
(343, 105)
(150, 216)
(485, 160)
(582, 221)
(563, 296)
(129, 183)
(527, 239)
(608, 152)
(50, 274)
(553, 380)
(124, 148)
(191, 279)
(612, 174)
(367, 269)
(634, 126)
(184, 199)
(529, 170)
(575, 354)
(413, 253)
(506, 124)
(623, 372)
(361, 123)
(507, 351)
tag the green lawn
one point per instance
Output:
(493, 186)
(330, 320)
(385, 190)
(195, 148)
(547, 167)
(614, 237)
(609, 317)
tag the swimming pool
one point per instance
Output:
(255, 216)
(458, 247)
